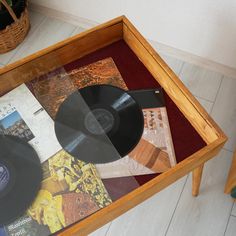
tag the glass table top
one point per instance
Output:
(95, 137)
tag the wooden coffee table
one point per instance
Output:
(189, 121)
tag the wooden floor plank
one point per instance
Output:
(174, 63)
(151, 217)
(101, 231)
(208, 213)
(50, 31)
(234, 210)
(77, 31)
(231, 229)
(201, 82)
(206, 104)
(224, 111)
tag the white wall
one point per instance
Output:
(206, 28)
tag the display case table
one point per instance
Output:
(196, 137)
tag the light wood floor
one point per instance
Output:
(172, 212)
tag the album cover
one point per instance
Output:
(155, 152)
(52, 88)
(159, 153)
(70, 191)
(22, 115)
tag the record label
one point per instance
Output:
(4, 177)
(103, 117)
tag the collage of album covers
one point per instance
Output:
(72, 189)
(53, 88)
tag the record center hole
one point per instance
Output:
(99, 121)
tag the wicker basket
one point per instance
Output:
(14, 33)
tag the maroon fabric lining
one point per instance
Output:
(185, 138)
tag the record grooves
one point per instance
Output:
(20, 177)
(99, 124)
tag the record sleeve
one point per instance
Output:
(53, 88)
(155, 152)
(156, 129)
(70, 191)
(23, 116)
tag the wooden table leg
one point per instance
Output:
(196, 180)
(231, 181)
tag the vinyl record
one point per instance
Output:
(20, 177)
(99, 124)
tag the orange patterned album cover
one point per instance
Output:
(52, 89)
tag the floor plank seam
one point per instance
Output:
(205, 99)
(108, 228)
(222, 78)
(181, 68)
(76, 27)
(176, 205)
(228, 218)
(226, 149)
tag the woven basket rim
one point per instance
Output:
(14, 33)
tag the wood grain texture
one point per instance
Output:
(185, 101)
(231, 181)
(208, 213)
(196, 180)
(151, 156)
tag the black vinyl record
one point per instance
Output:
(99, 124)
(20, 177)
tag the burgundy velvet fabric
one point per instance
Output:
(185, 138)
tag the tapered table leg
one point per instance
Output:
(231, 181)
(196, 180)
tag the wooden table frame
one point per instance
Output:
(96, 38)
